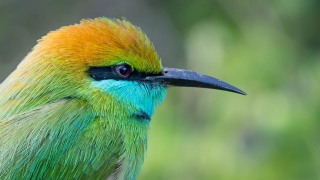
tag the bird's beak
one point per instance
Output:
(181, 77)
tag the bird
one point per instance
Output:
(79, 105)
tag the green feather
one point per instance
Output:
(65, 140)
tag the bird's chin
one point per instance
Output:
(139, 98)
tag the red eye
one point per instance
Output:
(123, 70)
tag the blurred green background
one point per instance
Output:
(270, 49)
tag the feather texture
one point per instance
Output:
(54, 124)
(65, 140)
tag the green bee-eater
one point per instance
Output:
(79, 105)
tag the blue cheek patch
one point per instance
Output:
(142, 96)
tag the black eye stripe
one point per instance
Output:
(100, 73)
(107, 72)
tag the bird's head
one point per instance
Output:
(108, 63)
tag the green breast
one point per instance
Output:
(66, 140)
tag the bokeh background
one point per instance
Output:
(269, 48)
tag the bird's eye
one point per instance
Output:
(123, 70)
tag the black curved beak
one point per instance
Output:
(168, 77)
(181, 77)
